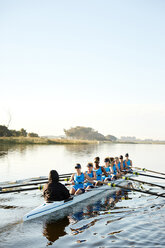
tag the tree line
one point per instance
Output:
(5, 132)
(87, 133)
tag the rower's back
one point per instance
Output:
(55, 191)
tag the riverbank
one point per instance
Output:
(43, 141)
(46, 141)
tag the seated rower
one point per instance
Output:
(53, 190)
(116, 169)
(77, 180)
(127, 163)
(121, 164)
(99, 171)
(91, 174)
(108, 169)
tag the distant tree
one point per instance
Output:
(110, 137)
(4, 131)
(15, 133)
(32, 135)
(23, 132)
(86, 133)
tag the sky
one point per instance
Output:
(90, 63)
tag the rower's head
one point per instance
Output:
(53, 176)
(111, 159)
(96, 164)
(78, 167)
(126, 155)
(121, 158)
(90, 167)
(97, 159)
(107, 161)
(116, 160)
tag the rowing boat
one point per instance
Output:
(47, 208)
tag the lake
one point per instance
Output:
(119, 220)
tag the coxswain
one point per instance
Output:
(53, 190)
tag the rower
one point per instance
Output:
(53, 190)
(99, 171)
(91, 174)
(116, 169)
(121, 164)
(77, 180)
(108, 170)
(127, 162)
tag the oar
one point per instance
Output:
(144, 169)
(139, 181)
(60, 176)
(4, 191)
(142, 174)
(28, 184)
(137, 190)
(33, 179)
(20, 190)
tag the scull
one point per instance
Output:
(47, 208)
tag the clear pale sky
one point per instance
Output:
(92, 63)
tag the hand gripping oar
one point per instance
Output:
(137, 190)
(139, 181)
(144, 169)
(142, 174)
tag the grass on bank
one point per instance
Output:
(43, 141)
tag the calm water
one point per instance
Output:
(118, 220)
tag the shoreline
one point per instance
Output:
(46, 141)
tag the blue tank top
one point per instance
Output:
(90, 175)
(127, 163)
(98, 173)
(107, 169)
(114, 170)
(119, 165)
(79, 180)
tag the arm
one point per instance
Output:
(65, 192)
(72, 179)
(94, 173)
(121, 166)
(104, 171)
(88, 178)
(117, 168)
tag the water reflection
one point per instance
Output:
(53, 229)
(5, 149)
(82, 149)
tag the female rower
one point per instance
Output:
(77, 180)
(116, 168)
(127, 162)
(99, 171)
(91, 174)
(53, 190)
(121, 163)
(108, 170)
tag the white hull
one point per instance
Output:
(47, 208)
